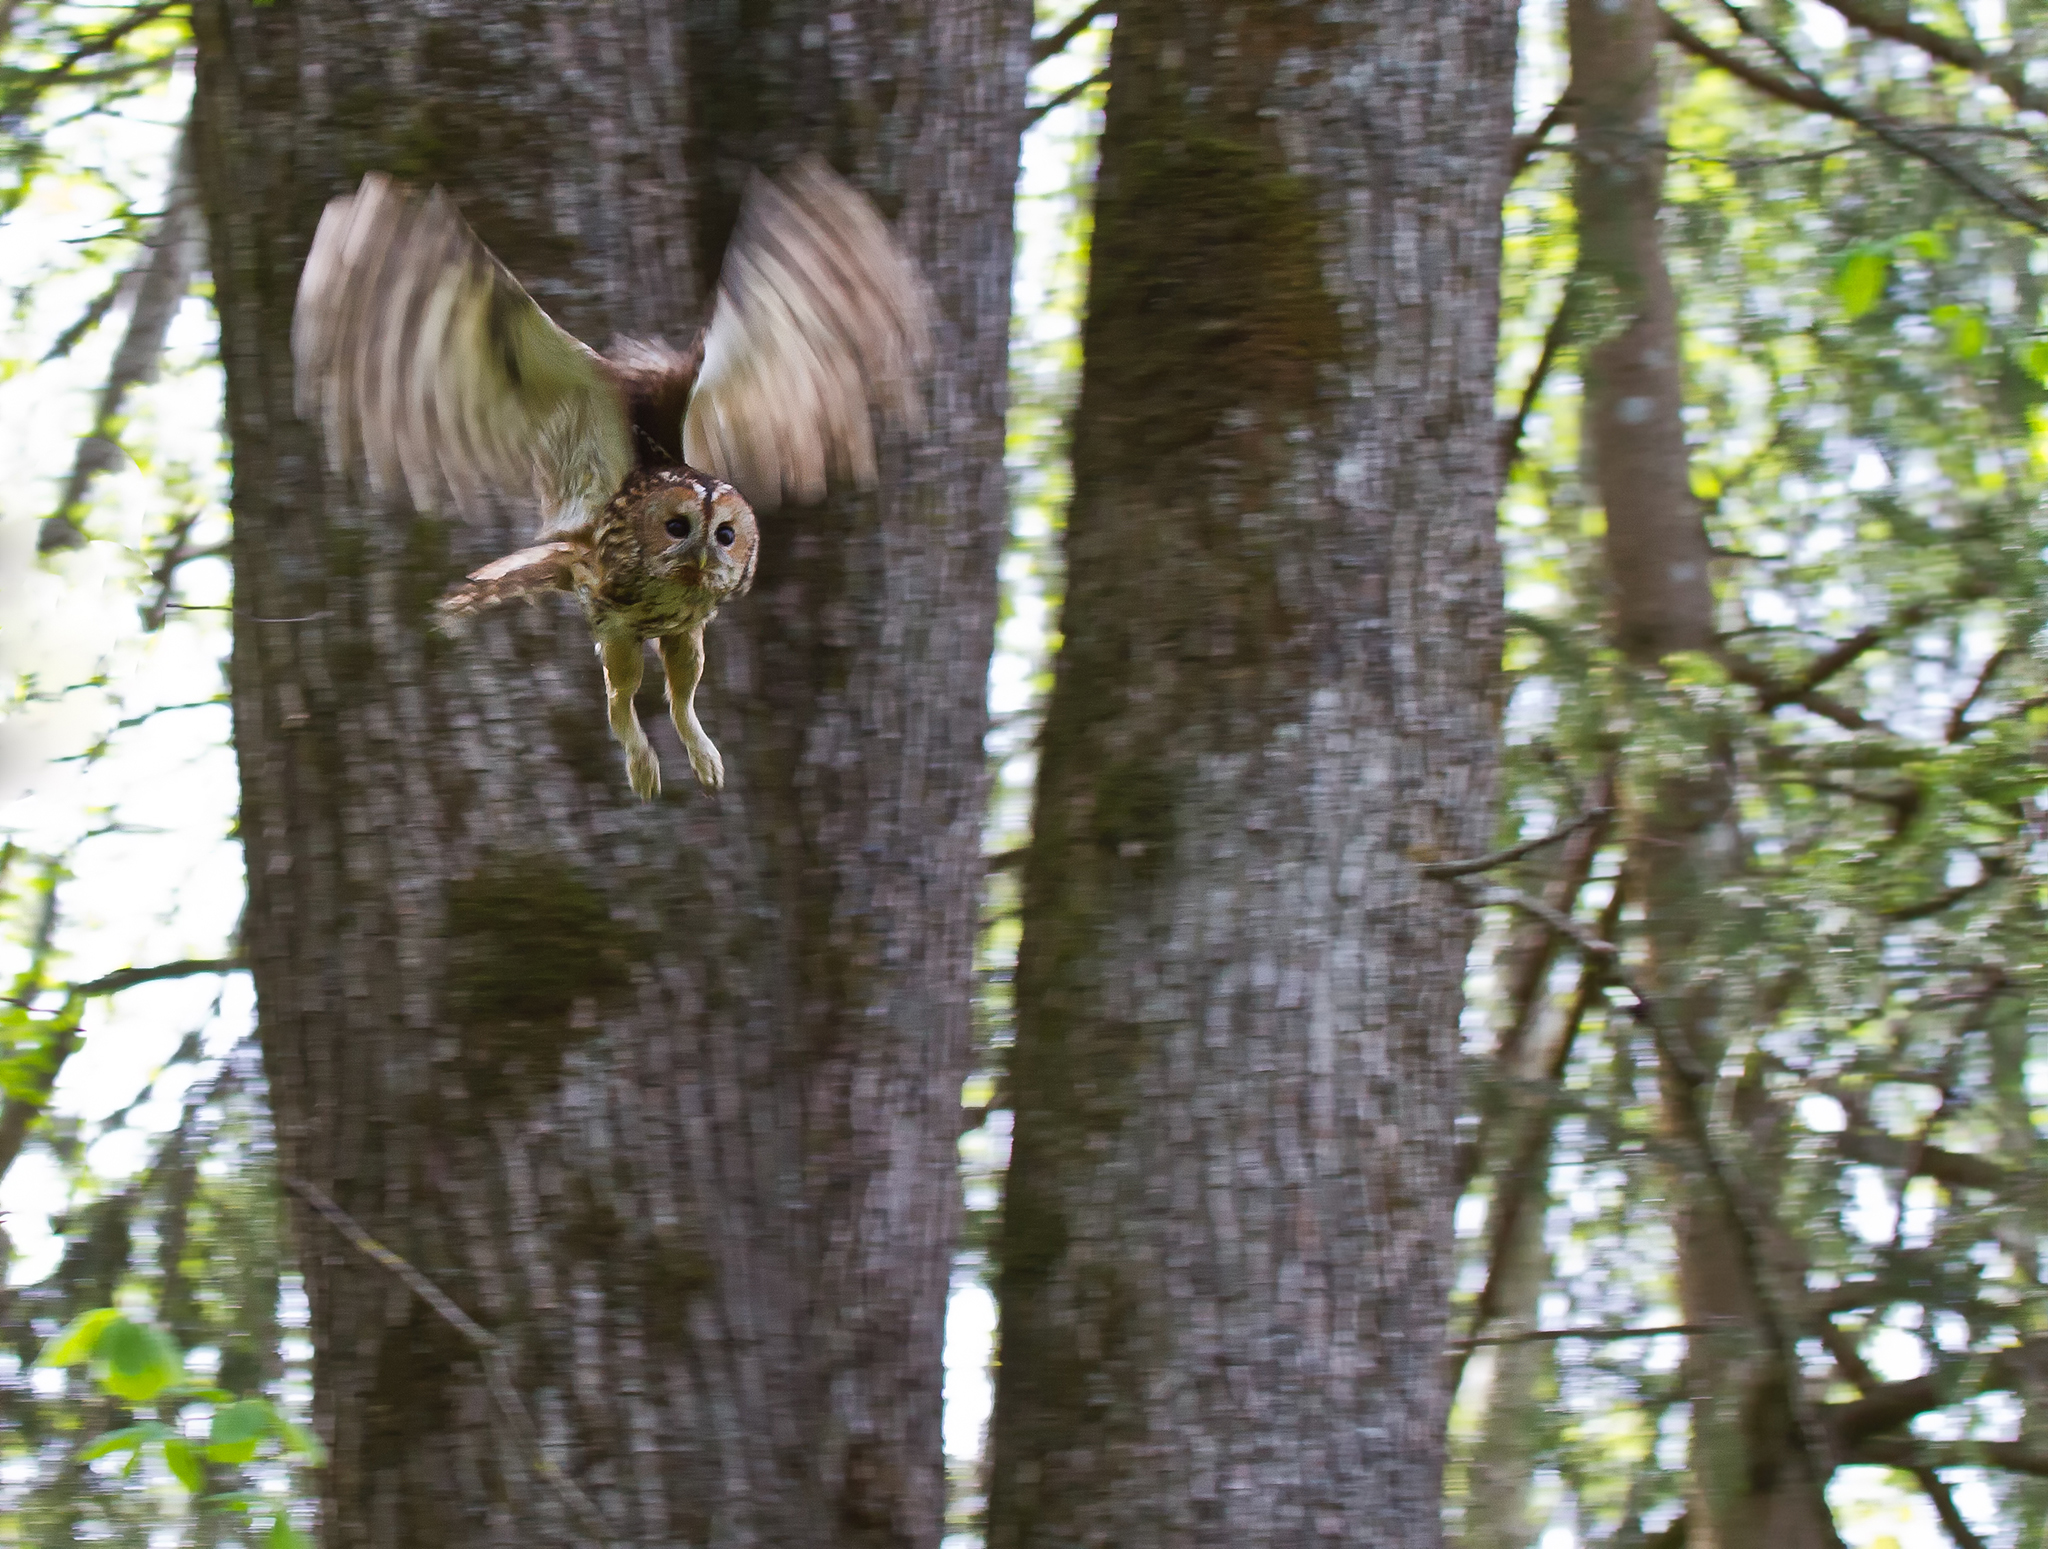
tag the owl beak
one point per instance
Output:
(693, 562)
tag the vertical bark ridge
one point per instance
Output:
(1226, 1238)
(665, 1096)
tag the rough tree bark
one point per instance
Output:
(664, 1096)
(1750, 1482)
(1226, 1243)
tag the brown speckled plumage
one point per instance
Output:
(431, 368)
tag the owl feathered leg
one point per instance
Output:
(682, 659)
(625, 660)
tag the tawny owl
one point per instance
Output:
(430, 368)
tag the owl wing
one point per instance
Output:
(430, 367)
(819, 313)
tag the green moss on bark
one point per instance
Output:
(532, 954)
(1222, 307)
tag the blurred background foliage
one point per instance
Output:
(1853, 211)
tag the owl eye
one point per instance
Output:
(678, 527)
(724, 535)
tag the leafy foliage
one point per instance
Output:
(1865, 422)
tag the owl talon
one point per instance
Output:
(709, 767)
(644, 771)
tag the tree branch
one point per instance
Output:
(1952, 1169)
(1596, 1333)
(166, 270)
(1959, 723)
(1525, 146)
(1444, 871)
(1937, 1492)
(1812, 96)
(1554, 338)
(1524, 1173)
(23, 87)
(1745, 1217)
(491, 1353)
(1909, 1452)
(1749, 74)
(1053, 43)
(184, 968)
(1061, 99)
(1773, 694)
(1891, 21)
(1994, 869)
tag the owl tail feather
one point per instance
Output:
(544, 567)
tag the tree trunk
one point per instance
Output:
(665, 1096)
(1749, 1480)
(1657, 555)
(1226, 1243)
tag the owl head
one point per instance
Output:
(692, 530)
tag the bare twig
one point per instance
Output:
(1937, 1492)
(1595, 1333)
(1525, 146)
(94, 314)
(1444, 871)
(1553, 344)
(1529, 970)
(1744, 1216)
(177, 552)
(1061, 99)
(1524, 1172)
(1749, 74)
(1911, 1452)
(184, 968)
(165, 276)
(490, 1352)
(1774, 694)
(1959, 723)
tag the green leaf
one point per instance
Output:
(1966, 330)
(1969, 336)
(1859, 281)
(127, 1439)
(140, 1360)
(184, 1461)
(1930, 245)
(284, 1536)
(238, 1428)
(2034, 360)
(297, 1439)
(77, 1340)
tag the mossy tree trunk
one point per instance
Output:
(663, 1096)
(1226, 1245)
(1750, 1479)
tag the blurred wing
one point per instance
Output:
(430, 367)
(543, 568)
(819, 313)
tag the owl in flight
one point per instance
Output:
(431, 368)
